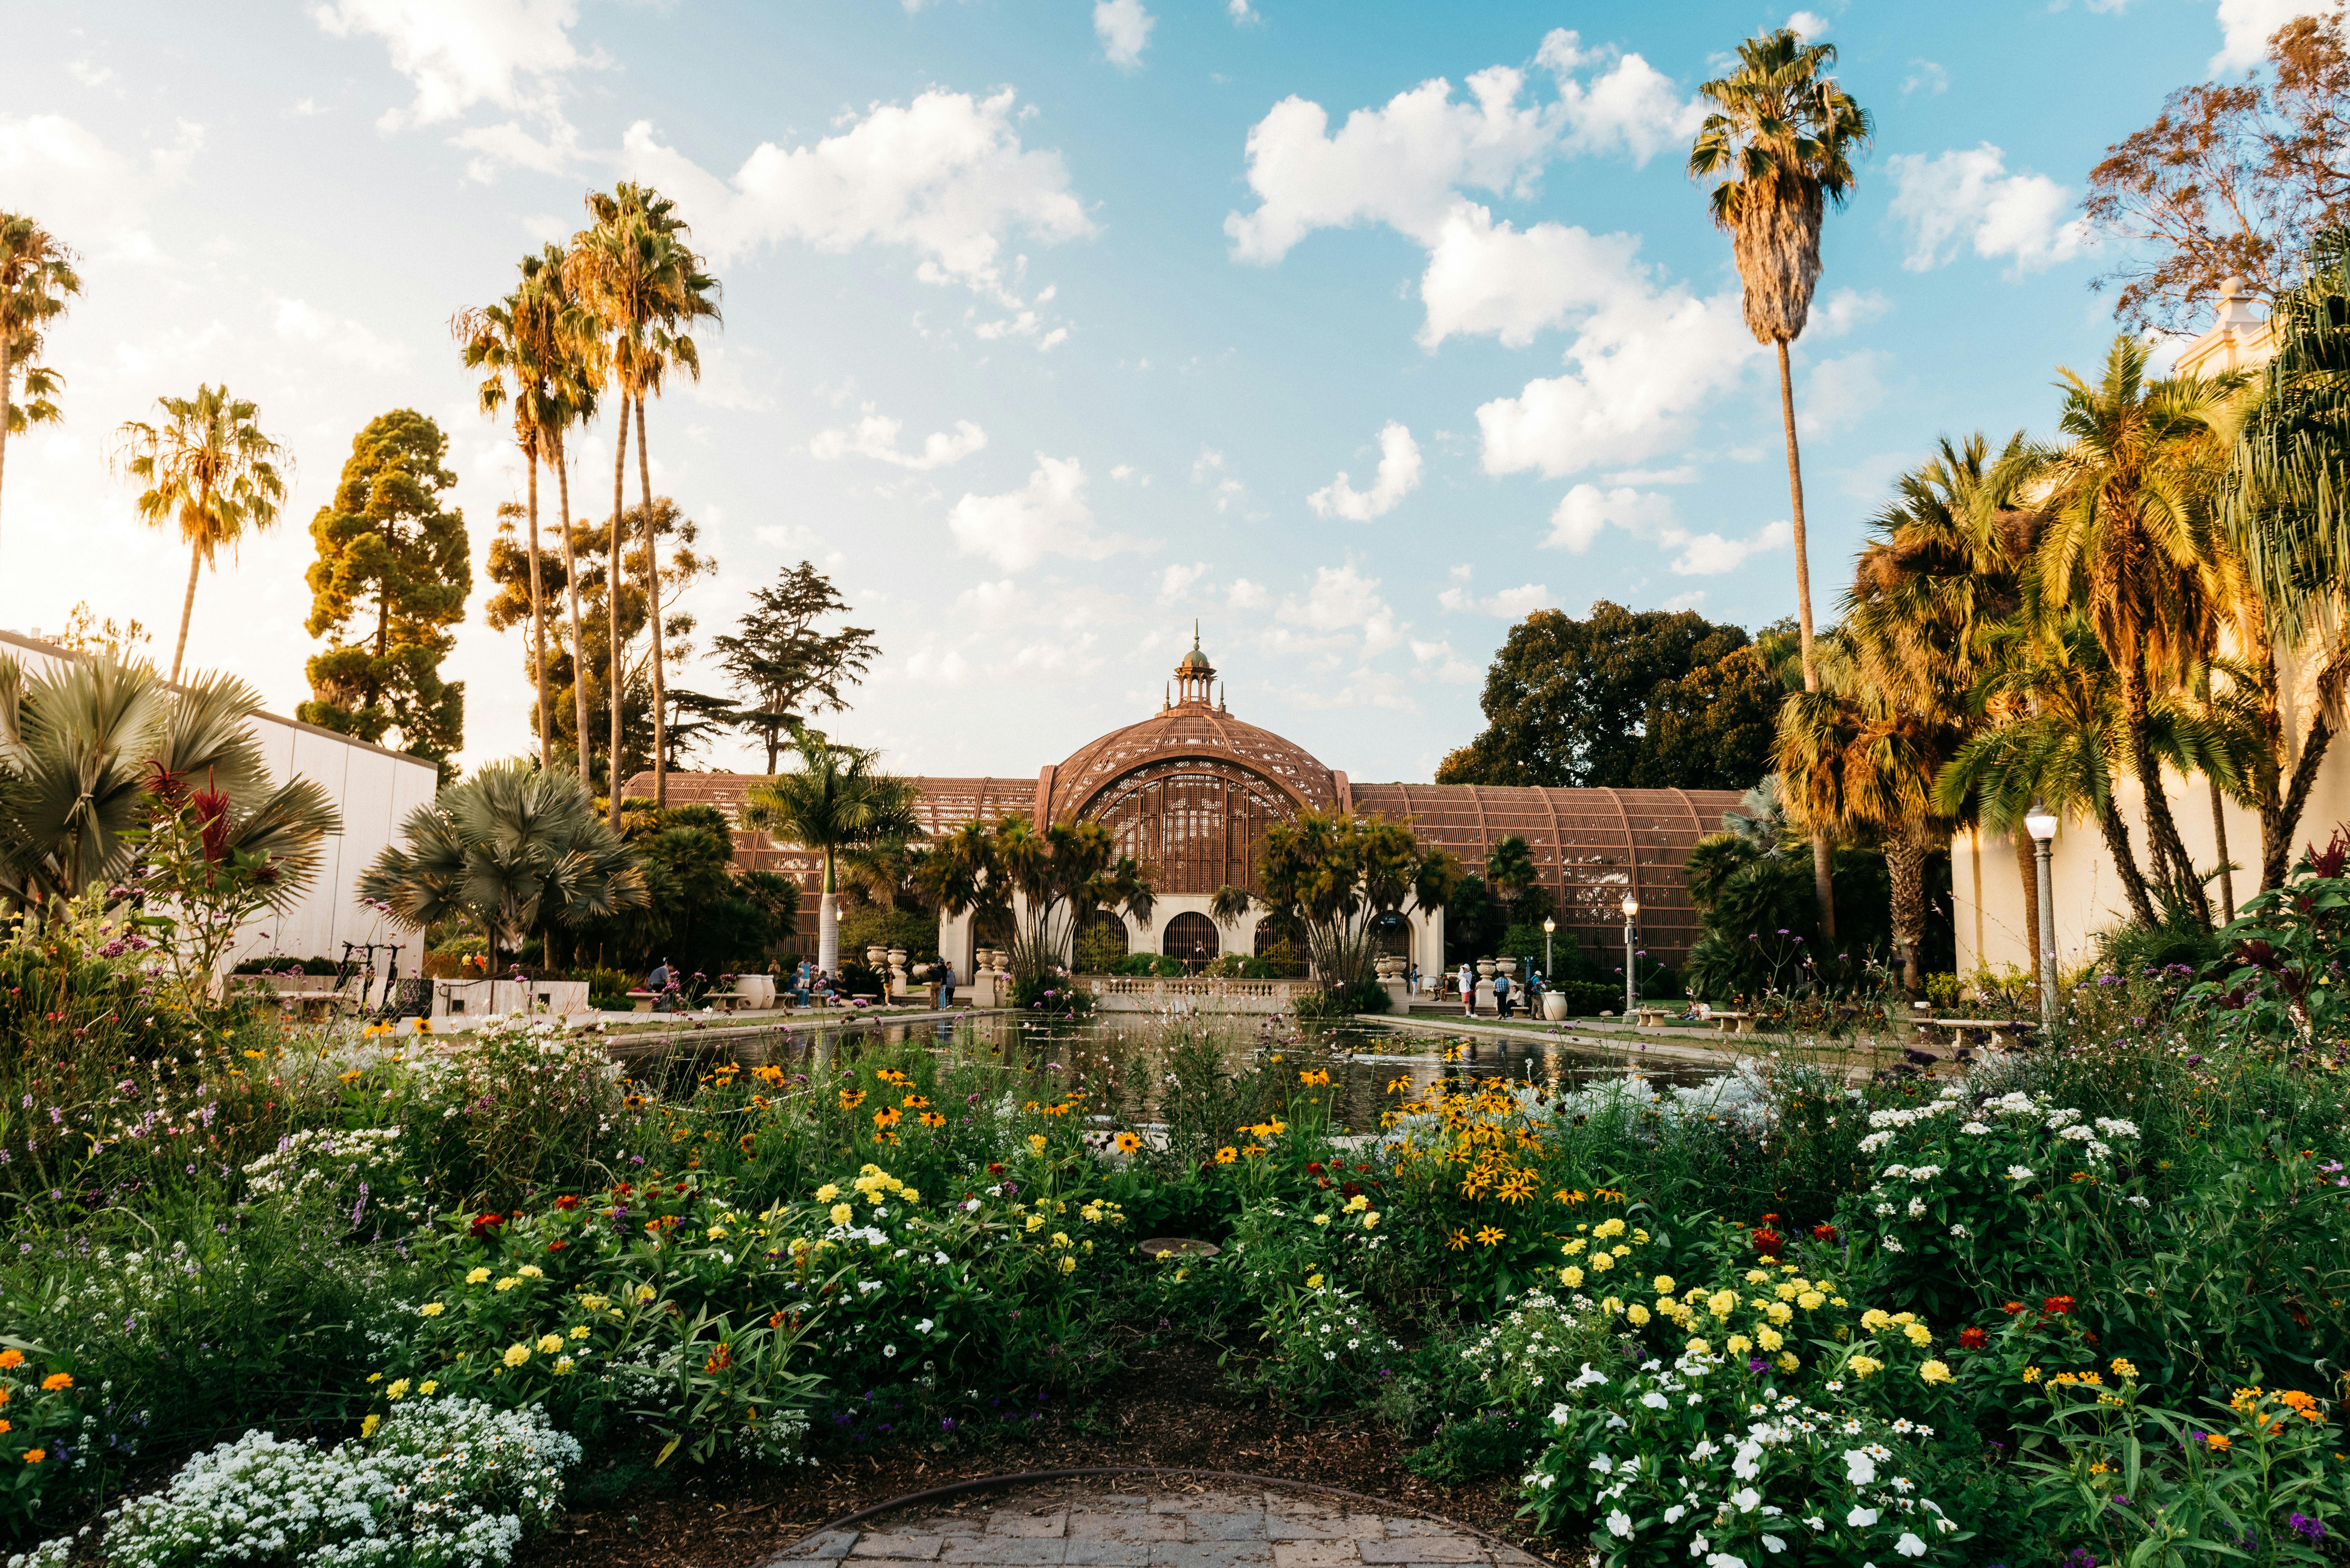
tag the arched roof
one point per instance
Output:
(1188, 730)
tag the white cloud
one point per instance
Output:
(336, 338)
(1048, 516)
(461, 53)
(1451, 669)
(2245, 26)
(1246, 595)
(1398, 477)
(1586, 509)
(1208, 469)
(876, 436)
(1710, 555)
(1810, 25)
(1177, 580)
(1637, 375)
(90, 74)
(1343, 600)
(1968, 198)
(1630, 108)
(1240, 11)
(1925, 77)
(1484, 276)
(86, 194)
(1510, 604)
(945, 176)
(1838, 392)
(1124, 28)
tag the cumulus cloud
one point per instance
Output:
(876, 436)
(1839, 392)
(1637, 375)
(1967, 198)
(1124, 28)
(1047, 516)
(1510, 604)
(1585, 510)
(1484, 276)
(1177, 580)
(1710, 555)
(337, 337)
(1809, 26)
(2245, 26)
(1343, 600)
(1246, 595)
(457, 53)
(1208, 469)
(1925, 77)
(1398, 477)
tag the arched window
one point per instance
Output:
(1191, 937)
(1101, 943)
(1393, 934)
(1196, 823)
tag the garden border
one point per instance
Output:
(1026, 1478)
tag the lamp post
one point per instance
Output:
(1631, 909)
(1549, 925)
(2041, 823)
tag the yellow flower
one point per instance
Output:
(1787, 1362)
(1866, 1365)
(1125, 1143)
(827, 1192)
(2031, 1374)
(1609, 1227)
(1570, 1276)
(549, 1344)
(1601, 1263)
(2219, 1443)
(1876, 1320)
(562, 1365)
(1757, 1277)
(1491, 1235)
(369, 1424)
(841, 1214)
(1779, 1312)
(1371, 1220)
(1664, 1284)
(507, 1284)
(427, 1388)
(1068, 1265)
(1313, 1281)
(1935, 1372)
(475, 1276)
(399, 1389)
(1722, 1303)
(1035, 1223)
(1571, 1246)
(1811, 1301)
(1736, 1344)
(1036, 1142)
(1060, 1238)
(517, 1355)
(1918, 1333)
(432, 1309)
(1637, 1315)
(1769, 1338)
(372, 1378)
(1700, 1347)
(1357, 1203)
(909, 1195)
(2123, 1370)
(1226, 1155)
(531, 1271)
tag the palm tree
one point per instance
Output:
(1781, 142)
(835, 801)
(512, 847)
(2131, 539)
(209, 468)
(82, 752)
(36, 277)
(649, 287)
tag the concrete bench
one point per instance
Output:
(1654, 1017)
(1732, 1023)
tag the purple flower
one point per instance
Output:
(2303, 1525)
(1755, 1364)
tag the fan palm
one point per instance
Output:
(649, 286)
(1058, 879)
(512, 847)
(37, 278)
(2130, 538)
(210, 470)
(835, 801)
(82, 750)
(1779, 143)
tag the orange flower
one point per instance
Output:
(34, 1456)
(57, 1380)
(886, 1118)
(11, 1358)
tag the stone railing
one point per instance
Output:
(1125, 993)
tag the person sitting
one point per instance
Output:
(659, 983)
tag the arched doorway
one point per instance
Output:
(1191, 937)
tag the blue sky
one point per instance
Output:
(1053, 327)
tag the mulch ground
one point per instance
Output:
(1171, 1408)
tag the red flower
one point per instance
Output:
(567, 1202)
(1972, 1339)
(1824, 1232)
(556, 1246)
(1313, 1167)
(484, 1224)
(2011, 1308)
(2056, 1306)
(994, 1169)
(1350, 1188)
(1766, 1240)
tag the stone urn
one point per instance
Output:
(1554, 1005)
(1508, 966)
(897, 957)
(1485, 969)
(875, 957)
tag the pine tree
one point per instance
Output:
(388, 587)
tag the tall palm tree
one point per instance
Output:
(835, 800)
(494, 339)
(37, 278)
(651, 288)
(1779, 143)
(210, 470)
(2131, 493)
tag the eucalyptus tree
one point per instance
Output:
(648, 288)
(1779, 143)
(36, 279)
(511, 847)
(209, 471)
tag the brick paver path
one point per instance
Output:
(1170, 1526)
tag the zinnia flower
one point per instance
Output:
(517, 1355)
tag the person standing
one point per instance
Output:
(1468, 990)
(946, 982)
(1501, 995)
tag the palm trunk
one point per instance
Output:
(571, 584)
(538, 617)
(2276, 848)
(2219, 839)
(2118, 846)
(2171, 861)
(827, 924)
(188, 604)
(612, 603)
(1905, 870)
(652, 615)
(6, 371)
(2027, 866)
(1822, 882)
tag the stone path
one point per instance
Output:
(1170, 1526)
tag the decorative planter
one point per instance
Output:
(1507, 966)
(1554, 1005)
(1484, 969)
(897, 957)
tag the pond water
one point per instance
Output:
(1363, 1059)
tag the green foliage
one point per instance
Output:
(1146, 965)
(787, 670)
(1101, 948)
(1761, 913)
(698, 911)
(1629, 700)
(388, 587)
(869, 925)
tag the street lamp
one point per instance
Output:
(1549, 925)
(2041, 823)
(1631, 909)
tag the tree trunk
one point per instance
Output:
(2276, 848)
(612, 602)
(188, 605)
(2171, 862)
(538, 617)
(578, 640)
(1905, 869)
(2219, 838)
(827, 924)
(1822, 882)
(6, 371)
(2118, 845)
(652, 615)
(2027, 864)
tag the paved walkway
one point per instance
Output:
(1091, 1525)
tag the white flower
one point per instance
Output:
(1748, 1462)
(1619, 1522)
(889, 1350)
(1673, 1514)
(1891, 1245)
(1925, 1172)
(1883, 1210)
(1917, 1209)
(1861, 1518)
(923, 1327)
(1745, 1499)
(1974, 1130)
(1910, 1545)
(2138, 1200)
(2077, 1134)
(1725, 1560)
(1773, 1546)
(1654, 1401)
(2021, 1173)
(1603, 1464)
(1860, 1466)
(2115, 1126)
(1959, 1231)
